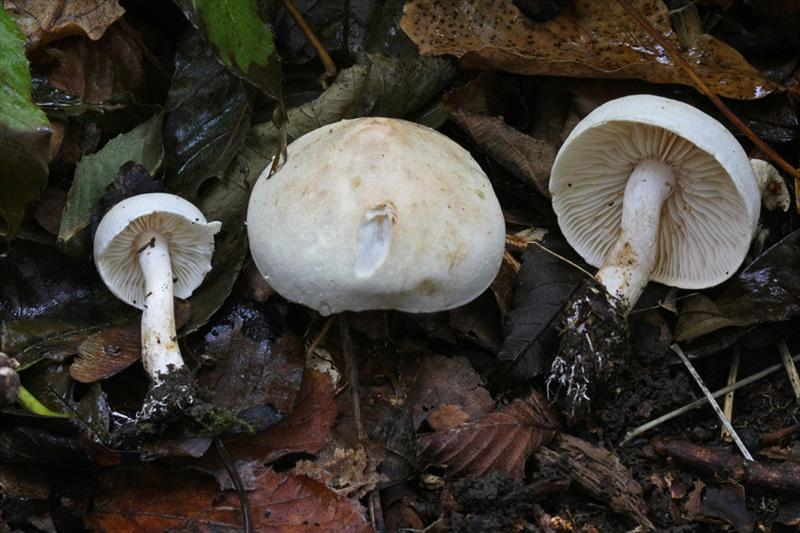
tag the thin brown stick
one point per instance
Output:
(351, 369)
(791, 370)
(711, 95)
(327, 62)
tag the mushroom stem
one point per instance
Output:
(160, 352)
(628, 267)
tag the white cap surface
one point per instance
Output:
(191, 244)
(376, 213)
(708, 221)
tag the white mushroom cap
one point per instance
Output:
(376, 213)
(706, 224)
(191, 244)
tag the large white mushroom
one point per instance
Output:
(648, 188)
(147, 249)
(376, 213)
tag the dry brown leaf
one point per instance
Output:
(441, 380)
(43, 21)
(599, 472)
(501, 441)
(349, 472)
(96, 70)
(156, 499)
(447, 416)
(106, 353)
(588, 39)
(306, 429)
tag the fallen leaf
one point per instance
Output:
(440, 381)
(43, 21)
(142, 145)
(242, 41)
(256, 374)
(599, 472)
(208, 117)
(94, 71)
(155, 499)
(720, 506)
(106, 353)
(349, 472)
(588, 39)
(766, 290)
(446, 416)
(543, 284)
(305, 430)
(498, 442)
(24, 130)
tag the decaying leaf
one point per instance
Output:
(767, 290)
(501, 441)
(95, 172)
(443, 385)
(587, 39)
(106, 353)
(598, 472)
(349, 472)
(208, 117)
(24, 129)
(94, 71)
(720, 506)
(156, 499)
(43, 21)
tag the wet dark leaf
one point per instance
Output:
(42, 445)
(256, 374)
(305, 430)
(724, 505)
(208, 117)
(498, 442)
(544, 283)
(767, 290)
(24, 129)
(159, 500)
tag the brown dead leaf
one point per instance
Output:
(43, 21)
(446, 416)
(349, 472)
(599, 472)
(444, 381)
(106, 353)
(305, 430)
(588, 39)
(501, 441)
(720, 506)
(155, 499)
(96, 70)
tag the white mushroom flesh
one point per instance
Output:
(160, 351)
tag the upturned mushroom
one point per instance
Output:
(376, 213)
(147, 249)
(646, 188)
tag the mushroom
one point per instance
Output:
(648, 188)
(376, 213)
(148, 248)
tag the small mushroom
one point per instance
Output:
(376, 213)
(648, 188)
(147, 249)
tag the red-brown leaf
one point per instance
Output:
(152, 499)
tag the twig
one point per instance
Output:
(647, 426)
(321, 335)
(725, 422)
(791, 370)
(701, 86)
(732, 373)
(230, 467)
(567, 261)
(327, 62)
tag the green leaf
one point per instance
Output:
(24, 129)
(240, 39)
(208, 117)
(143, 145)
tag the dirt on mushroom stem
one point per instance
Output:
(594, 342)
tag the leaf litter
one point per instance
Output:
(456, 430)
